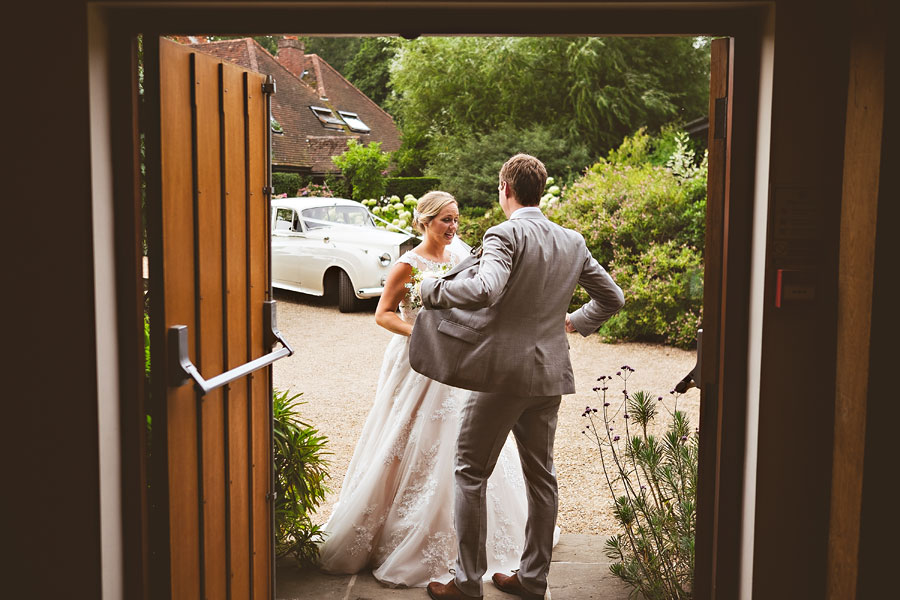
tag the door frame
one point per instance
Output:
(113, 28)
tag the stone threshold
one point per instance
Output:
(579, 571)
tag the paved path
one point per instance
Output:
(579, 571)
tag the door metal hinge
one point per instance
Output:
(268, 190)
(269, 86)
(271, 496)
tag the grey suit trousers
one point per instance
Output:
(487, 420)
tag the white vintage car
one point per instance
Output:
(331, 247)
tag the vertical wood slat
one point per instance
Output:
(710, 414)
(260, 399)
(178, 274)
(215, 265)
(237, 315)
(209, 316)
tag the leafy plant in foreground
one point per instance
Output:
(654, 483)
(300, 475)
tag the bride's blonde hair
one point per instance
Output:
(430, 205)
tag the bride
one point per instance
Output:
(395, 511)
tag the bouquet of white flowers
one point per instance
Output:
(415, 284)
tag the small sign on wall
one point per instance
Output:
(794, 286)
(797, 231)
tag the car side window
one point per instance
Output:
(284, 220)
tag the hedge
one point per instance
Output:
(417, 186)
(289, 183)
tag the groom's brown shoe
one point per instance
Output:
(448, 591)
(511, 585)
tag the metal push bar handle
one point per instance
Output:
(183, 370)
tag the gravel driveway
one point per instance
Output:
(336, 363)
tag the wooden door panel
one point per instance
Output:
(215, 254)
(708, 525)
(178, 281)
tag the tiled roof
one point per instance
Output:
(306, 145)
(343, 95)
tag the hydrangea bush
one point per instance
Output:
(392, 210)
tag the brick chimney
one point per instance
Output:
(291, 53)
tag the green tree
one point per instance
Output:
(336, 51)
(369, 69)
(469, 169)
(593, 91)
(364, 167)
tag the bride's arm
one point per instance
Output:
(394, 291)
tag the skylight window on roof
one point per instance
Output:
(327, 117)
(354, 122)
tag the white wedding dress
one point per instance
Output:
(395, 511)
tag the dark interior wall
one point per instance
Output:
(796, 411)
(50, 497)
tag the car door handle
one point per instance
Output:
(183, 370)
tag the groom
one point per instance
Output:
(502, 334)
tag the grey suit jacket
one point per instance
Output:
(497, 323)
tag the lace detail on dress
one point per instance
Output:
(451, 404)
(411, 303)
(440, 553)
(365, 531)
(423, 485)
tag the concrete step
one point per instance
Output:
(579, 571)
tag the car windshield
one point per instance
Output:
(323, 216)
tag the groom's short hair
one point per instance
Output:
(527, 176)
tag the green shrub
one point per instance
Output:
(289, 183)
(300, 475)
(646, 224)
(414, 186)
(664, 297)
(654, 483)
(339, 186)
(364, 167)
(475, 221)
(470, 170)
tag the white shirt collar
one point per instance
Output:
(526, 211)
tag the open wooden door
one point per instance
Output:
(211, 465)
(710, 528)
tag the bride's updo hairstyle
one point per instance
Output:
(430, 205)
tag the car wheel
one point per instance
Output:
(347, 300)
